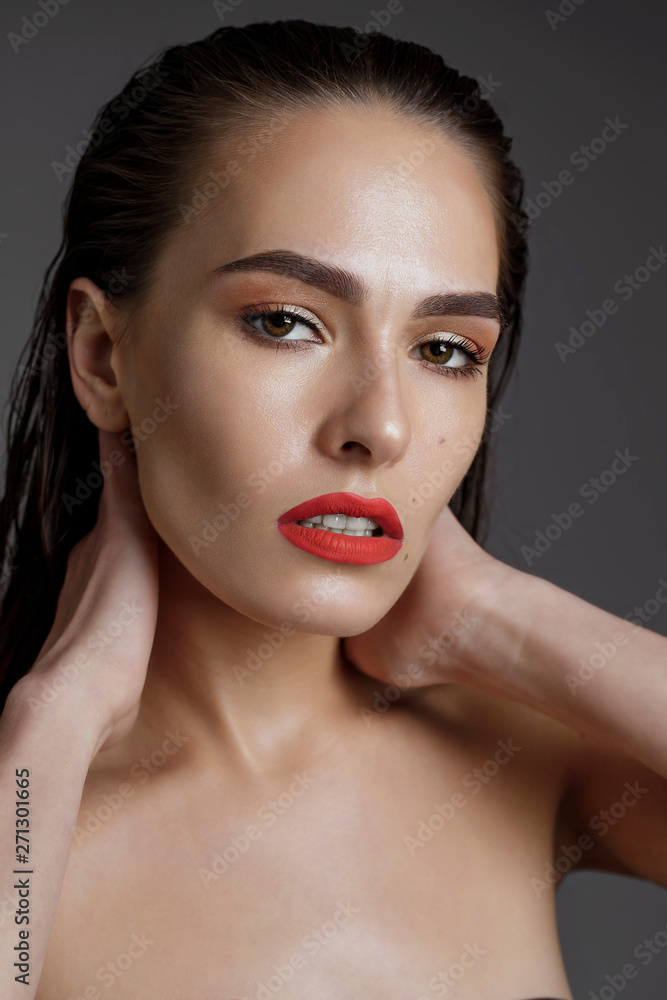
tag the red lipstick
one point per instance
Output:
(360, 550)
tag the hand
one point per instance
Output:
(109, 597)
(441, 602)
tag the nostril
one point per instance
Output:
(349, 445)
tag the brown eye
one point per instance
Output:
(277, 323)
(284, 325)
(439, 350)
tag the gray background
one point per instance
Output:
(556, 87)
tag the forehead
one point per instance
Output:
(368, 189)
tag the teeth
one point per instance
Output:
(344, 521)
(342, 524)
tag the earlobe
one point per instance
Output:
(90, 326)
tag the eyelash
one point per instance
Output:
(477, 355)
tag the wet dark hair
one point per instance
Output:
(142, 175)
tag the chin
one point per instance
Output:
(322, 598)
(315, 614)
(335, 606)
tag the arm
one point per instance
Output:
(51, 749)
(468, 619)
(607, 679)
(563, 656)
(73, 702)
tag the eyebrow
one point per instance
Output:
(349, 287)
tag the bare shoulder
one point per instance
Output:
(490, 715)
(546, 755)
(608, 807)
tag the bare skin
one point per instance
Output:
(410, 911)
(334, 880)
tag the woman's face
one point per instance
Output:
(233, 428)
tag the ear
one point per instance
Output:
(92, 331)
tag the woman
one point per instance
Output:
(251, 754)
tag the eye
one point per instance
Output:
(447, 349)
(277, 324)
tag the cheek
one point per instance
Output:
(213, 485)
(450, 429)
(212, 475)
(213, 451)
(468, 435)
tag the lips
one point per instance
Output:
(361, 550)
(381, 511)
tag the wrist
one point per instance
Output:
(491, 648)
(42, 701)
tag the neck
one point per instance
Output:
(257, 694)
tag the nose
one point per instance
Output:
(371, 418)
